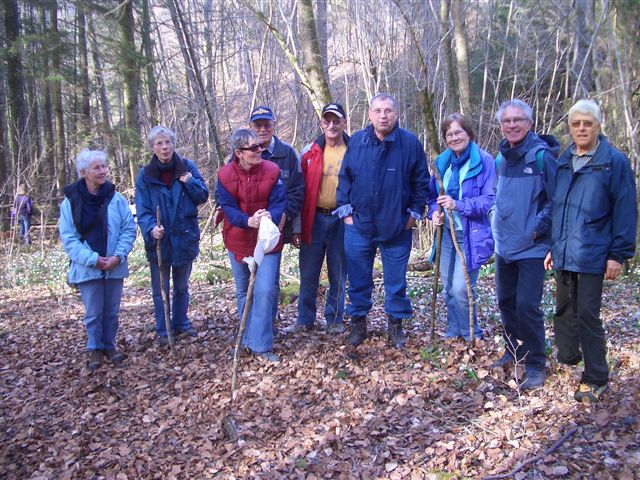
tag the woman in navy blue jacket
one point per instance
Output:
(175, 185)
(468, 174)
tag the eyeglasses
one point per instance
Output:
(452, 135)
(508, 121)
(335, 122)
(582, 123)
(254, 148)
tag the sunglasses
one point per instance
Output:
(254, 148)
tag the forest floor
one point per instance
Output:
(322, 412)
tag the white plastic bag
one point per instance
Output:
(268, 238)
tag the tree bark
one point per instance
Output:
(84, 114)
(4, 157)
(56, 94)
(47, 168)
(321, 30)
(582, 66)
(147, 46)
(453, 99)
(462, 56)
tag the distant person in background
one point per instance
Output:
(250, 189)
(97, 232)
(382, 192)
(521, 226)
(263, 122)
(468, 175)
(593, 233)
(322, 232)
(173, 183)
(22, 209)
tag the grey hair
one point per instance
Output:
(241, 137)
(586, 107)
(515, 103)
(86, 157)
(160, 130)
(384, 96)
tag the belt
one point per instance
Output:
(324, 211)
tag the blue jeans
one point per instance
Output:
(327, 238)
(24, 221)
(179, 301)
(101, 299)
(360, 252)
(455, 289)
(519, 290)
(258, 334)
(276, 291)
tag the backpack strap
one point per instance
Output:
(539, 158)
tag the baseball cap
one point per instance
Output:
(334, 108)
(262, 113)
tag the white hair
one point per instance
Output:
(158, 130)
(384, 96)
(86, 157)
(516, 103)
(586, 107)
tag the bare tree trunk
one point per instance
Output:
(453, 101)
(147, 46)
(131, 76)
(15, 84)
(47, 165)
(321, 30)
(462, 56)
(99, 78)
(5, 168)
(84, 130)
(582, 65)
(56, 94)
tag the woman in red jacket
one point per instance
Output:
(249, 190)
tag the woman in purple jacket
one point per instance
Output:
(467, 174)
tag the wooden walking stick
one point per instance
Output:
(436, 275)
(165, 297)
(229, 422)
(463, 263)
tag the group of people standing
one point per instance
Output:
(346, 198)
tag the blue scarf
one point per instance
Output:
(453, 188)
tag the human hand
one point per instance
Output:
(157, 232)
(283, 220)
(254, 220)
(111, 262)
(411, 222)
(613, 270)
(185, 177)
(217, 217)
(101, 263)
(437, 218)
(548, 262)
(296, 240)
(348, 220)
(447, 202)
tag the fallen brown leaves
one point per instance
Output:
(323, 412)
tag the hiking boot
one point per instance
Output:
(504, 360)
(335, 328)
(163, 341)
(297, 328)
(358, 333)
(534, 378)
(191, 331)
(589, 391)
(394, 331)
(95, 359)
(268, 356)
(115, 356)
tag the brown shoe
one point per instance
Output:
(115, 356)
(95, 359)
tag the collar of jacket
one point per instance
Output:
(152, 172)
(235, 163)
(599, 156)
(388, 138)
(475, 162)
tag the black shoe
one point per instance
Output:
(358, 333)
(535, 378)
(191, 331)
(504, 360)
(95, 359)
(115, 356)
(394, 331)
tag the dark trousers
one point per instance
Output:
(519, 290)
(577, 325)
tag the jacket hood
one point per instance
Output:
(531, 140)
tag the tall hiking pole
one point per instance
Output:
(436, 275)
(165, 297)
(463, 263)
(229, 422)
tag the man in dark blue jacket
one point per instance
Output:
(594, 228)
(521, 226)
(382, 191)
(263, 122)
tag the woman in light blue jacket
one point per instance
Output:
(97, 232)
